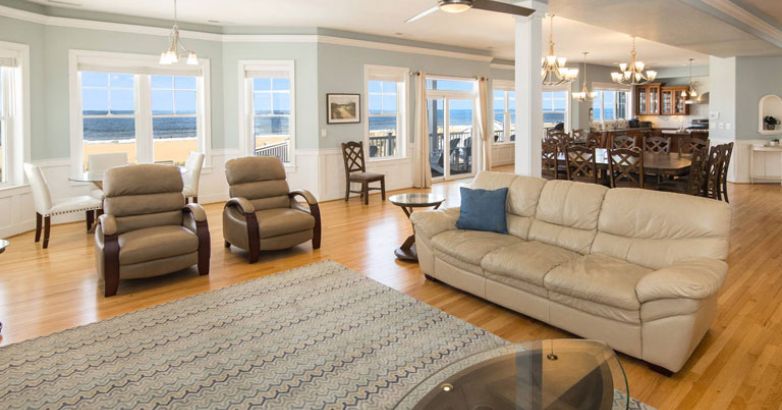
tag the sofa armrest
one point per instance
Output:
(430, 223)
(108, 225)
(314, 211)
(242, 203)
(195, 220)
(307, 195)
(693, 279)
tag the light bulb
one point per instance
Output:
(623, 67)
(639, 66)
(551, 60)
(561, 61)
(192, 58)
(456, 7)
(651, 75)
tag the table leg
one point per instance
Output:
(407, 251)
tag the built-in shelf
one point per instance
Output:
(770, 105)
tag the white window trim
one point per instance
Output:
(136, 62)
(402, 102)
(612, 87)
(506, 86)
(245, 101)
(568, 107)
(18, 140)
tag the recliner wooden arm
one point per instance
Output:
(251, 220)
(314, 211)
(195, 220)
(242, 203)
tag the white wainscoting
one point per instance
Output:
(320, 171)
(503, 154)
(767, 164)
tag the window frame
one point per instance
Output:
(143, 67)
(559, 88)
(506, 87)
(402, 77)
(246, 113)
(600, 88)
(17, 127)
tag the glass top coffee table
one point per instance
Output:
(408, 202)
(547, 374)
(3, 244)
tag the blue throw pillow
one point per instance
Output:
(483, 210)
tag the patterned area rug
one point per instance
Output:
(321, 336)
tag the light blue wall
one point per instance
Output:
(756, 77)
(722, 97)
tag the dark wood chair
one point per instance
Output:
(581, 163)
(693, 182)
(711, 182)
(688, 145)
(626, 167)
(356, 172)
(594, 140)
(622, 141)
(725, 153)
(657, 144)
(550, 162)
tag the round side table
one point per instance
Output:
(408, 202)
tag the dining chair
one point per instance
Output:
(581, 163)
(711, 183)
(356, 171)
(693, 182)
(726, 153)
(579, 135)
(594, 140)
(98, 164)
(622, 141)
(689, 145)
(45, 208)
(549, 158)
(626, 167)
(191, 175)
(657, 144)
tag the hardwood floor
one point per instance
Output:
(738, 364)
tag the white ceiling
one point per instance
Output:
(474, 29)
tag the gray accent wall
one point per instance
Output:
(755, 77)
(722, 97)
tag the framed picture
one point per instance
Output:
(343, 108)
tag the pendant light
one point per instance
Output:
(690, 95)
(633, 73)
(176, 48)
(585, 95)
(553, 68)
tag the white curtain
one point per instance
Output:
(423, 173)
(485, 123)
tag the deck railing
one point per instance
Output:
(279, 150)
(384, 146)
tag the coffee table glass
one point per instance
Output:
(3, 244)
(408, 202)
(546, 374)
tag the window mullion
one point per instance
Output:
(144, 129)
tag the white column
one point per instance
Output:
(529, 89)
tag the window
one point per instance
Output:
(555, 108)
(5, 117)
(504, 115)
(14, 113)
(444, 84)
(385, 111)
(610, 105)
(128, 103)
(269, 108)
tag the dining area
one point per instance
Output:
(638, 159)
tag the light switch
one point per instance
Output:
(727, 125)
(323, 133)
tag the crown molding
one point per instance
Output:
(761, 27)
(499, 66)
(37, 18)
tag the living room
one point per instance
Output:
(365, 222)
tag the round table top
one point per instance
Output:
(416, 199)
(3, 244)
(559, 373)
(87, 177)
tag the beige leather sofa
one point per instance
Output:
(147, 230)
(263, 214)
(637, 269)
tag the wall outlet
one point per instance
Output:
(721, 125)
(727, 125)
(714, 115)
(323, 133)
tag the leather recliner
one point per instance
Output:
(147, 230)
(263, 214)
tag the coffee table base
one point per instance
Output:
(407, 251)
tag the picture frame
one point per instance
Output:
(343, 108)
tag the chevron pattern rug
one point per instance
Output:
(317, 337)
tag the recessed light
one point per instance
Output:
(399, 34)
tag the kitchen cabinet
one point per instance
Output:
(648, 99)
(672, 102)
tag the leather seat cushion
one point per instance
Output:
(598, 278)
(526, 261)
(154, 243)
(365, 176)
(281, 221)
(471, 246)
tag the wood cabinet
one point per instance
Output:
(656, 99)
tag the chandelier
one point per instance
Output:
(690, 95)
(176, 48)
(553, 68)
(633, 73)
(584, 94)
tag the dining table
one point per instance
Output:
(664, 163)
(96, 178)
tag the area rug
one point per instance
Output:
(317, 337)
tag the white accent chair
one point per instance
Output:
(191, 175)
(45, 208)
(98, 164)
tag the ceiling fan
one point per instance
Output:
(460, 6)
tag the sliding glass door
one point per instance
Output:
(451, 148)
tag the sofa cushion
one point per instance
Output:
(598, 278)
(154, 243)
(658, 229)
(567, 215)
(483, 210)
(471, 246)
(526, 261)
(523, 194)
(281, 221)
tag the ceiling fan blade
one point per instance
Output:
(422, 14)
(501, 7)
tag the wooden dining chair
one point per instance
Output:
(622, 141)
(698, 172)
(594, 140)
(657, 144)
(725, 153)
(356, 172)
(581, 163)
(688, 145)
(626, 167)
(711, 183)
(550, 162)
